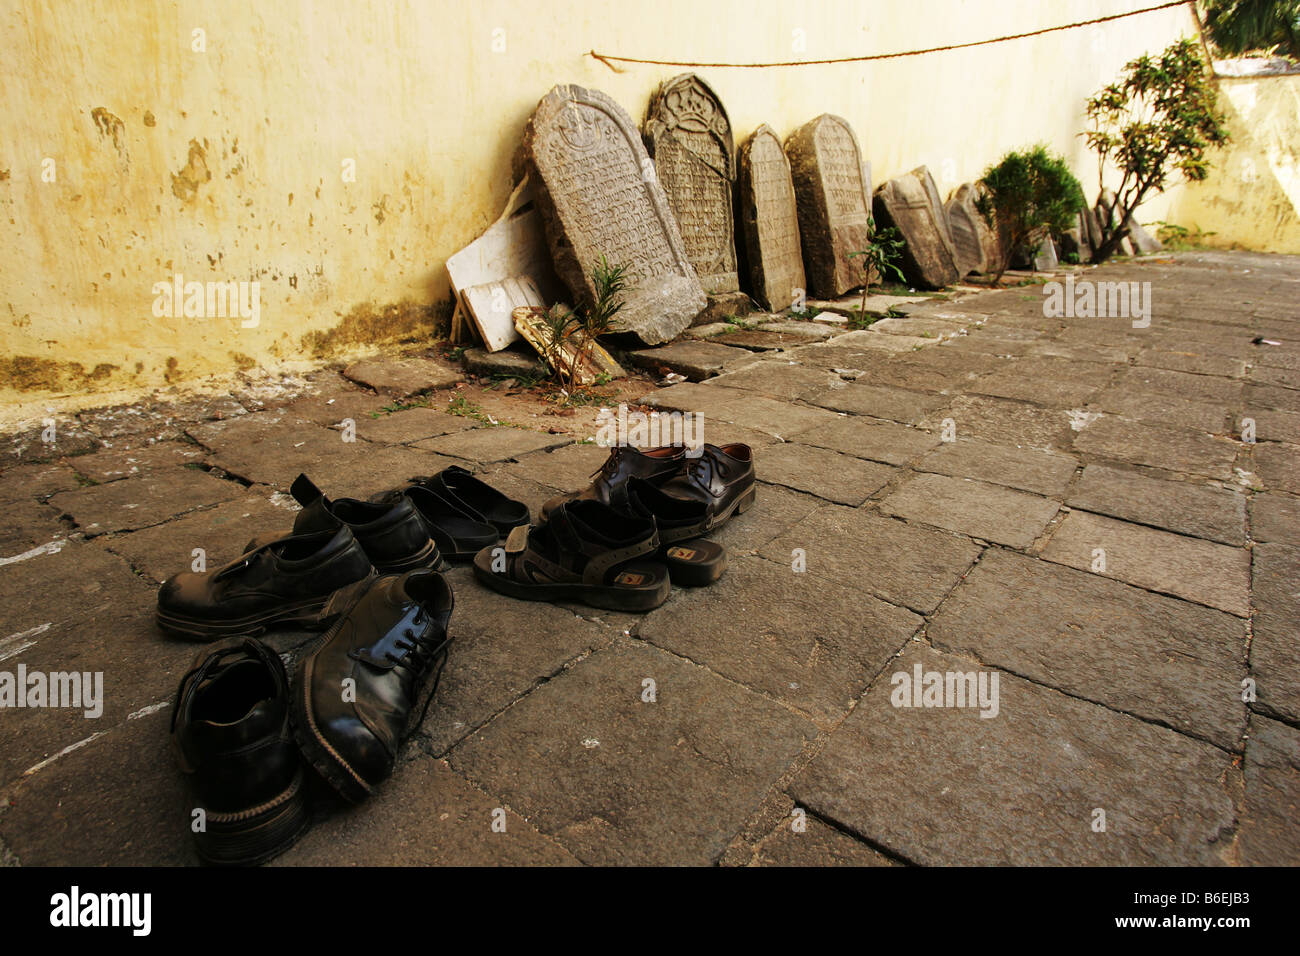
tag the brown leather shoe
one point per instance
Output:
(721, 477)
(609, 484)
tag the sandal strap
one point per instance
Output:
(599, 559)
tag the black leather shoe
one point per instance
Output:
(609, 484)
(388, 528)
(721, 478)
(231, 739)
(284, 583)
(367, 684)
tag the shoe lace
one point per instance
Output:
(610, 465)
(417, 648)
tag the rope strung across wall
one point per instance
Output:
(608, 58)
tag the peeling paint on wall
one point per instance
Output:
(186, 183)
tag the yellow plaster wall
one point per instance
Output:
(1251, 198)
(227, 164)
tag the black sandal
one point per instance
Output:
(586, 552)
(475, 498)
(458, 536)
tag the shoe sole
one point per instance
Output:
(258, 834)
(304, 614)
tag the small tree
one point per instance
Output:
(881, 257)
(1244, 26)
(1154, 124)
(1028, 195)
(562, 328)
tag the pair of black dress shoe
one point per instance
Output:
(285, 581)
(243, 734)
(622, 542)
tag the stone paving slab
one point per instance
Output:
(1160, 409)
(735, 406)
(1055, 382)
(1198, 362)
(1275, 517)
(822, 472)
(776, 509)
(142, 501)
(221, 531)
(697, 360)
(1212, 574)
(944, 785)
(1275, 652)
(568, 468)
(1210, 389)
(1271, 396)
(778, 378)
(1267, 835)
(1004, 422)
(891, 404)
(616, 779)
(490, 667)
(115, 802)
(411, 425)
(101, 622)
(1158, 447)
(1156, 657)
(971, 507)
(492, 444)
(1033, 470)
(402, 378)
(273, 449)
(1278, 465)
(1271, 425)
(29, 524)
(816, 845)
(111, 464)
(425, 815)
(906, 564)
(1187, 507)
(810, 642)
(860, 437)
(36, 481)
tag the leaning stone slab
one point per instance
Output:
(1139, 240)
(943, 785)
(598, 195)
(833, 196)
(908, 205)
(969, 231)
(769, 221)
(688, 136)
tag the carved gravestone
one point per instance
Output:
(833, 197)
(908, 205)
(689, 138)
(769, 222)
(598, 196)
(973, 240)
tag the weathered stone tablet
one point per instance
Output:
(907, 204)
(597, 193)
(974, 240)
(769, 222)
(688, 136)
(833, 197)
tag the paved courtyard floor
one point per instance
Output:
(1071, 508)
